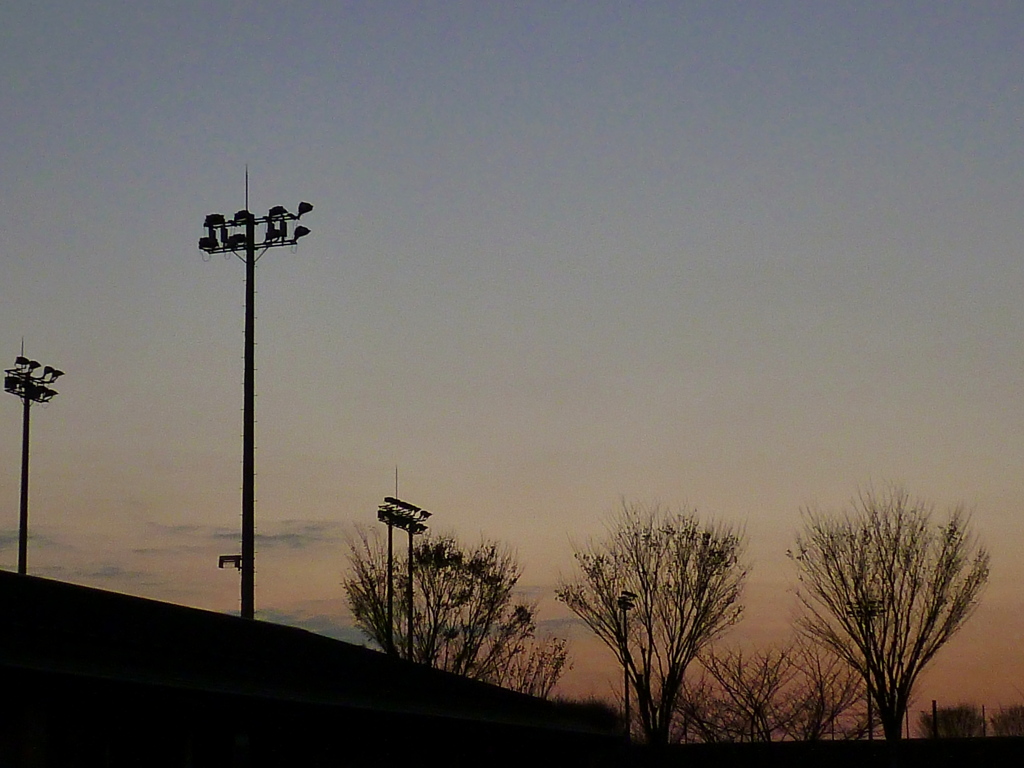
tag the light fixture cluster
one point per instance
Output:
(402, 515)
(224, 235)
(23, 381)
(626, 601)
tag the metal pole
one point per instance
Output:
(871, 717)
(23, 517)
(391, 590)
(248, 429)
(625, 678)
(408, 653)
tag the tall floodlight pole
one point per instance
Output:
(238, 236)
(626, 601)
(864, 612)
(23, 382)
(410, 518)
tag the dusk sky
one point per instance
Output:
(738, 257)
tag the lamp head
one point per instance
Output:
(277, 211)
(301, 231)
(304, 208)
(213, 220)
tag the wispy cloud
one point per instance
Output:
(562, 627)
(9, 540)
(327, 624)
(107, 575)
(286, 534)
(299, 534)
(176, 539)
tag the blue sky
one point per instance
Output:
(741, 257)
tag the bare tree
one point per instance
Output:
(826, 695)
(466, 618)
(704, 714)
(535, 667)
(685, 579)
(754, 689)
(884, 586)
(959, 721)
(1008, 721)
(798, 691)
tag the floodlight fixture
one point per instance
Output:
(304, 208)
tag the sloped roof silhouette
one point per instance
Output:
(65, 629)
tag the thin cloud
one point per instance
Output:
(107, 574)
(321, 623)
(299, 534)
(9, 540)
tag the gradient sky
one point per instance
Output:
(743, 257)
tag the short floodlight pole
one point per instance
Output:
(864, 612)
(23, 382)
(412, 530)
(384, 515)
(238, 236)
(626, 601)
(411, 519)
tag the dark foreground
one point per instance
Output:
(93, 678)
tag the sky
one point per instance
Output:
(740, 258)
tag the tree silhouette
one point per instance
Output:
(826, 695)
(466, 618)
(958, 721)
(1008, 721)
(686, 579)
(884, 586)
(798, 691)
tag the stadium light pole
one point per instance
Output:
(411, 519)
(626, 600)
(23, 382)
(387, 516)
(865, 612)
(238, 236)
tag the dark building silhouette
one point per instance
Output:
(95, 678)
